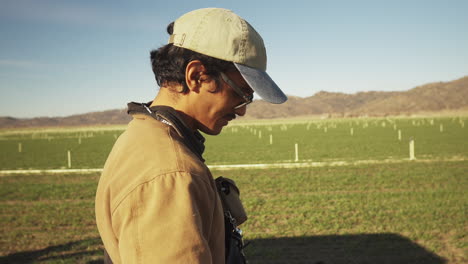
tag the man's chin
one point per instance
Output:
(211, 131)
(214, 128)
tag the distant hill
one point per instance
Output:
(109, 117)
(433, 97)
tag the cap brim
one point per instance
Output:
(262, 84)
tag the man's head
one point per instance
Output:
(217, 50)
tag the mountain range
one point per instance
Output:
(430, 98)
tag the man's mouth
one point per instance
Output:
(230, 117)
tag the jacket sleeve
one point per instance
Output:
(168, 220)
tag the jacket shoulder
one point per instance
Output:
(146, 150)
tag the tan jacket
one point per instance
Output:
(156, 201)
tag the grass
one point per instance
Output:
(318, 140)
(49, 150)
(399, 212)
(408, 212)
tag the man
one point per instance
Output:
(156, 200)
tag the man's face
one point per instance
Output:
(219, 107)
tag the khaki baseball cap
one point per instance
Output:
(221, 34)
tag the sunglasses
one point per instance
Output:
(247, 98)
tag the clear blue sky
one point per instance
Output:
(61, 57)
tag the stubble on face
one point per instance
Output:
(219, 103)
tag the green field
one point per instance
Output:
(317, 140)
(383, 212)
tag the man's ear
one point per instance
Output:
(194, 75)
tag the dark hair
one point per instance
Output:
(169, 63)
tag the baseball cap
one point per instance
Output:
(221, 34)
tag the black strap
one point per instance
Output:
(168, 115)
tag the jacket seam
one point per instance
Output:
(151, 180)
(175, 147)
(138, 246)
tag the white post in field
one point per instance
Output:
(260, 134)
(20, 147)
(271, 139)
(352, 131)
(79, 140)
(441, 128)
(399, 134)
(411, 149)
(297, 152)
(69, 159)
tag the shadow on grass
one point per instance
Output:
(83, 251)
(339, 249)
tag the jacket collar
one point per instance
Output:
(168, 115)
